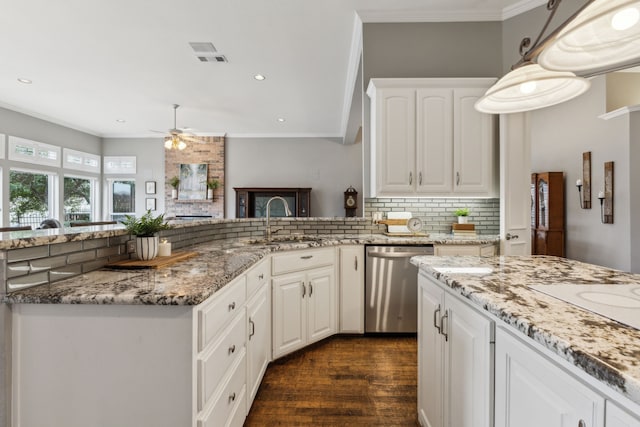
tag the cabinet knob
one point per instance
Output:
(457, 178)
(304, 290)
(253, 328)
(435, 318)
(261, 276)
(582, 423)
(232, 349)
(232, 397)
(310, 289)
(510, 236)
(355, 262)
(442, 325)
(410, 178)
(420, 178)
(306, 257)
(232, 306)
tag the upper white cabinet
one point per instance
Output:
(428, 140)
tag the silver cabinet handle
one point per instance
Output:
(582, 423)
(304, 290)
(410, 178)
(306, 257)
(442, 325)
(232, 397)
(420, 178)
(232, 349)
(310, 289)
(253, 328)
(261, 276)
(232, 306)
(510, 236)
(355, 262)
(435, 319)
(457, 178)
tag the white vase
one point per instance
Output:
(463, 219)
(174, 193)
(210, 193)
(147, 247)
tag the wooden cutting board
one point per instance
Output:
(157, 262)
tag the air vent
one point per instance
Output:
(216, 58)
(203, 47)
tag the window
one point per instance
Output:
(32, 197)
(81, 161)
(122, 198)
(25, 150)
(120, 164)
(80, 196)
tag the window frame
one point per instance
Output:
(37, 147)
(109, 197)
(53, 185)
(95, 194)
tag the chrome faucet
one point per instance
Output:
(287, 212)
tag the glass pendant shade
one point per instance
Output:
(605, 34)
(530, 87)
(175, 143)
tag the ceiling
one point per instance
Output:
(94, 62)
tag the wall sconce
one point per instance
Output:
(601, 198)
(579, 185)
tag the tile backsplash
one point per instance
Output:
(437, 213)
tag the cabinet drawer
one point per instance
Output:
(217, 313)
(456, 250)
(229, 408)
(257, 276)
(302, 260)
(217, 360)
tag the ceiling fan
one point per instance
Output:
(177, 137)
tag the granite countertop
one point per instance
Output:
(192, 281)
(604, 348)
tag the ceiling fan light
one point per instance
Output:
(181, 145)
(605, 35)
(531, 87)
(168, 144)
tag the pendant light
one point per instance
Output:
(530, 87)
(603, 36)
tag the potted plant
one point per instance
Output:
(145, 229)
(174, 182)
(462, 214)
(212, 184)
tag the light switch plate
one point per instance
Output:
(131, 246)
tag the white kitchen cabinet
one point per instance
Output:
(455, 360)
(618, 417)
(352, 289)
(428, 140)
(462, 250)
(304, 301)
(533, 391)
(258, 338)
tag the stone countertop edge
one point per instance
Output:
(603, 348)
(192, 281)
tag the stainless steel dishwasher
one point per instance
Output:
(391, 288)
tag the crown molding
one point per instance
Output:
(521, 7)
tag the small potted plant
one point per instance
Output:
(212, 184)
(145, 229)
(462, 214)
(174, 182)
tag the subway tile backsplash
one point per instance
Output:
(48, 263)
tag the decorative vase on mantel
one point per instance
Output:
(209, 193)
(463, 219)
(174, 193)
(147, 247)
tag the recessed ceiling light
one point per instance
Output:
(281, 119)
(259, 77)
(25, 81)
(121, 120)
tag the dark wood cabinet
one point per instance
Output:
(251, 202)
(547, 213)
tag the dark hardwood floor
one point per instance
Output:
(341, 381)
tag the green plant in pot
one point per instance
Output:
(174, 182)
(212, 184)
(462, 214)
(145, 229)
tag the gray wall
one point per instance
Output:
(149, 154)
(325, 165)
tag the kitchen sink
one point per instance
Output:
(620, 302)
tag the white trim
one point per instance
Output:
(521, 7)
(35, 156)
(84, 159)
(619, 112)
(53, 185)
(405, 16)
(94, 183)
(355, 54)
(109, 195)
(284, 135)
(125, 165)
(156, 135)
(3, 145)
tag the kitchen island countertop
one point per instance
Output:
(607, 350)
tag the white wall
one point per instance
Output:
(149, 154)
(326, 166)
(559, 136)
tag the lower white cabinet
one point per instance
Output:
(303, 301)
(618, 417)
(455, 360)
(258, 339)
(461, 250)
(352, 289)
(531, 391)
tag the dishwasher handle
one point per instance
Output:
(397, 254)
